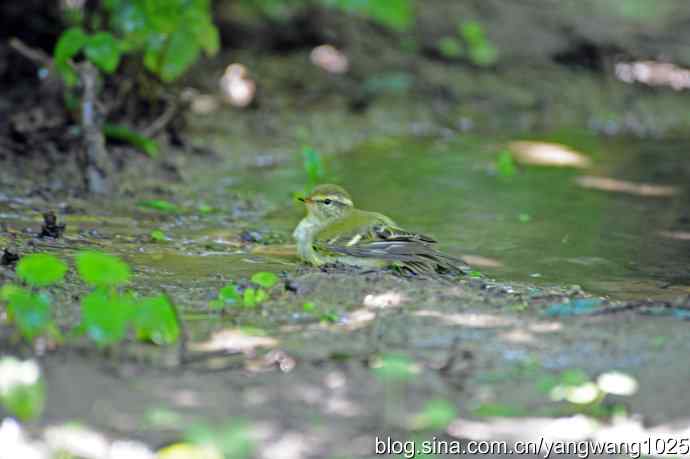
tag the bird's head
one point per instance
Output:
(328, 203)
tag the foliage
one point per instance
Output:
(265, 279)
(155, 320)
(40, 269)
(159, 205)
(396, 14)
(250, 296)
(137, 140)
(106, 312)
(505, 164)
(22, 390)
(158, 236)
(470, 41)
(101, 269)
(313, 166)
(436, 415)
(168, 35)
(106, 316)
(324, 316)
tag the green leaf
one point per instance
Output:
(249, 298)
(229, 295)
(101, 269)
(450, 47)
(31, 312)
(155, 321)
(158, 235)
(40, 269)
(265, 279)
(261, 296)
(8, 290)
(125, 134)
(312, 165)
(104, 51)
(22, 390)
(209, 39)
(181, 53)
(436, 415)
(505, 165)
(309, 307)
(160, 205)
(106, 317)
(71, 41)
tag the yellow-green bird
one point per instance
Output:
(335, 231)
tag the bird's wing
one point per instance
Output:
(379, 238)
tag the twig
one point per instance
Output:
(162, 121)
(33, 54)
(98, 168)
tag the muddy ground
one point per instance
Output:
(307, 387)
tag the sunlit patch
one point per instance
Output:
(81, 441)
(473, 320)
(617, 383)
(518, 336)
(546, 327)
(624, 186)
(581, 394)
(275, 358)
(548, 154)
(481, 262)
(653, 73)
(14, 373)
(571, 428)
(237, 87)
(235, 340)
(678, 235)
(359, 318)
(384, 300)
(14, 443)
(330, 59)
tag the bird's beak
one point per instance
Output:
(306, 200)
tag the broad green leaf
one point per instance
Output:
(159, 204)
(249, 298)
(182, 51)
(155, 321)
(229, 295)
(71, 41)
(40, 269)
(22, 390)
(260, 296)
(265, 279)
(209, 39)
(31, 312)
(68, 45)
(309, 307)
(125, 134)
(101, 269)
(106, 317)
(7, 290)
(104, 51)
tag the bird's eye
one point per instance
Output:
(327, 202)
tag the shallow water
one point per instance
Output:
(539, 224)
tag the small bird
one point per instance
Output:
(335, 231)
